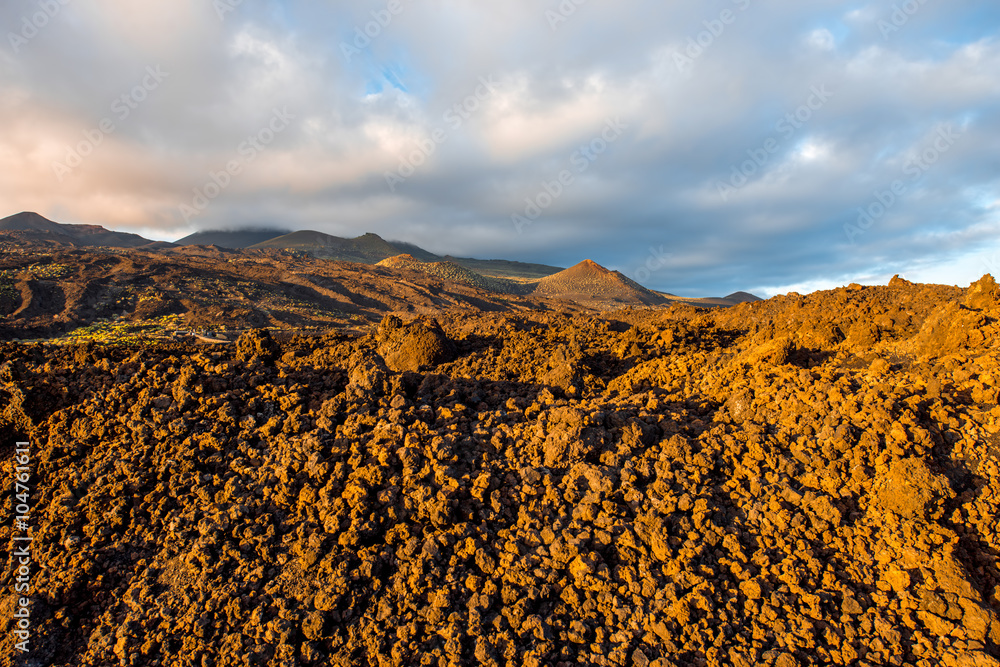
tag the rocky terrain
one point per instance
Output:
(49, 289)
(86, 283)
(808, 480)
(33, 229)
(455, 273)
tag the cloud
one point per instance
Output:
(408, 94)
(821, 39)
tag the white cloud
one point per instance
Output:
(822, 40)
(863, 15)
(813, 150)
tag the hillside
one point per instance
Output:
(503, 268)
(94, 292)
(365, 249)
(237, 238)
(91, 292)
(454, 272)
(416, 252)
(592, 284)
(371, 249)
(741, 297)
(28, 221)
(57, 278)
(34, 227)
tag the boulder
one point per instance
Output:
(414, 346)
(256, 345)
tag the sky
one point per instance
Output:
(700, 148)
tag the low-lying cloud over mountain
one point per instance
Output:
(697, 148)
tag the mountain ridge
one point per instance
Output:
(232, 238)
(33, 226)
(586, 281)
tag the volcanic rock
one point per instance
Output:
(256, 345)
(911, 489)
(723, 487)
(413, 346)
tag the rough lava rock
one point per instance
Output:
(413, 346)
(256, 345)
(743, 486)
(912, 490)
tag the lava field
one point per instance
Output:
(807, 480)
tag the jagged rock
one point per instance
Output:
(984, 293)
(368, 372)
(740, 405)
(256, 345)
(912, 490)
(725, 487)
(414, 346)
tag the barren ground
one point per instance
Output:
(802, 481)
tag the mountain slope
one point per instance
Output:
(366, 249)
(28, 221)
(504, 268)
(47, 291)
(741, 297)
(371, 248)
(233, 238)
(415, 251)
(453, 272)
(589, 282)
(32, 226)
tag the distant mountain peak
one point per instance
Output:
(34, 225)
(589, 266)
(589, 281)
(27, 215)
(741, 297)
(29, 221)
